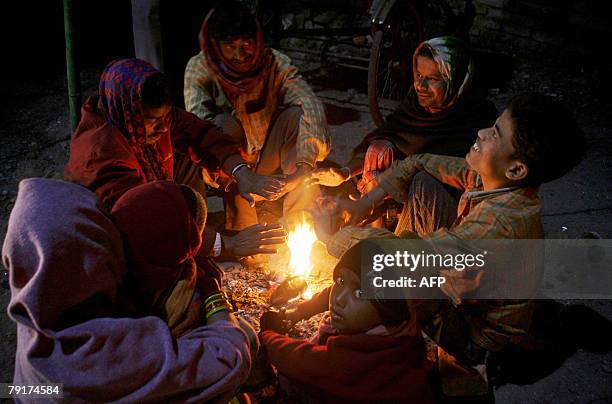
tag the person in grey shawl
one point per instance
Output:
(74, 324)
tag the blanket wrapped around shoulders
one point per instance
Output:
(66, 267)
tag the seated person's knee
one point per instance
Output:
(231, 126)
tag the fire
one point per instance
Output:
(300, 242)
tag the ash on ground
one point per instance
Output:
(249, 288)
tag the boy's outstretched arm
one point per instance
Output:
(453, 171)
(318, 303)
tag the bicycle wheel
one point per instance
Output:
(389, 70)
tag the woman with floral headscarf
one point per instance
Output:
(131, 134)
(441, 115)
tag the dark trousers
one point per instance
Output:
(430, 207)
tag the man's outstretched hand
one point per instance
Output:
(356, 212)
(329, 177)
(269, 188)
(299, 177)
(255, 239)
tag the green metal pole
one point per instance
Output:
(72, 75)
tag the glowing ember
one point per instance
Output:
(300, 243)
(308, 293)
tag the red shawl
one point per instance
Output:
(161, 234)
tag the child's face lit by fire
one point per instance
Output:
(350, 312)
(492, 154)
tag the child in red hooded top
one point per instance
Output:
(365, 350)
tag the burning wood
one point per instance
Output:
(300, 242)
(302, 260)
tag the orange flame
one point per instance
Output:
(300, 242)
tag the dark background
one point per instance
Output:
(34, 45)
(34, 134)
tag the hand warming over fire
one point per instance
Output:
(332, 213)
(326, 217)
(360, 211)
(356, 212)
(269, 188)
(275, 321)
(255, 239)
(300, 176)
(293, 316)
(330, 177)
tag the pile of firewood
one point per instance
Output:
(249, 288)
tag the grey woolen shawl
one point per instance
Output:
(65, 260)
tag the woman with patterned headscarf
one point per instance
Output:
(131, 134)
(441, 115)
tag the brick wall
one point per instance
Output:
(546, 28)
(560, 30)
